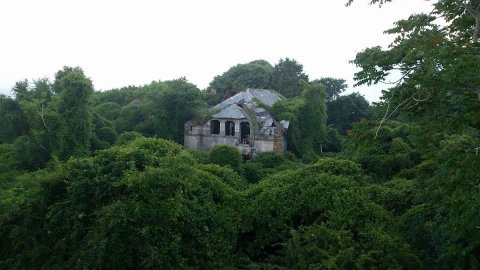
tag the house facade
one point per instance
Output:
(241, 122)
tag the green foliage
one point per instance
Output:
(29, 155)
(268, 163)
(159, 109)
(7, 158)
(144, 205)
(107, 134)
(437, 55)
(314, 119)
(454, 196)
(73, 106)
(226, 155)
(318, 219)
(178, 103)
(438, 65)
(286, 76)
(346, 110)
(13, 122)
(307, 115)
(397, 195)
(333, 140)
(337, 166)
(226, 175)
(127, 137)
(407, 197)
(333, 87)
(109, 110)
(385, 156)
(255, 74)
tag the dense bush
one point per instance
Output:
(144, 205)
(225, 155)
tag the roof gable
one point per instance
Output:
(235, 106)
(232, 111)
(266, 96)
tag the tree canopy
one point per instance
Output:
(286, 77)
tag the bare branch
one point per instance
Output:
(41, 116)
(383, 120)
(406, 102)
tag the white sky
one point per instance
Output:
(120, 43)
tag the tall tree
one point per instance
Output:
(333, 87)
(286, 76)
(73, 106)
(179, 102)
(308, 119)
(438, 66)
(346, 110)
(13, 122)
(315, 117)
(255, 74)
(439, 89)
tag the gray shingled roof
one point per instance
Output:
(264, 95)
(232, 111)
(232, 108)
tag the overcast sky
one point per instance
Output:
(120, 43)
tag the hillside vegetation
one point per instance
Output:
(100, 180)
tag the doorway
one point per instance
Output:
(245, 133)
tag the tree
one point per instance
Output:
(74, 90)
(391, 152)
(320, 217)
(346, 110)
(179, 102)
(13, 122)
(143, 205)
(286, 76)
(307, 115)
(255, 74)
(437, 63)
(439, 90)
(109, 110)
(314, 118)
(333, 87)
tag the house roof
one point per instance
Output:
(232, 111)
(265, 96)
(234, 107)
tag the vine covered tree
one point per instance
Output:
(438, 89)
(74, 90)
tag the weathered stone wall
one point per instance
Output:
(205, 142)
(263, 145)
(200, 138)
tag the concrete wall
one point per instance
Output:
(263, 145)
(205, 142)
(200, 138)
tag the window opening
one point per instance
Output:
(215, 127)
(245, 132)
(229, 128)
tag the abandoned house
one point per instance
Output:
(240, 121)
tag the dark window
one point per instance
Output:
(215, 127)
(245, 132)
(229, 128)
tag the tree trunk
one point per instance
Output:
(477, 25)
